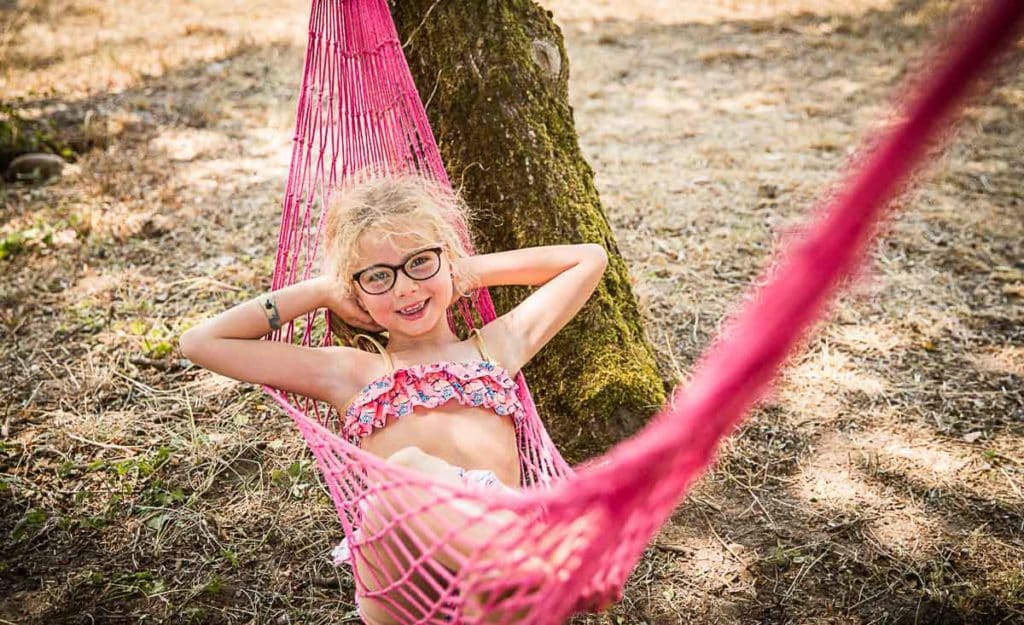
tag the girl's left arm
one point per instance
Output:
(566, 276)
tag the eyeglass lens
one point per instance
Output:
(419, 267)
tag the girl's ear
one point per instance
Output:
(450, 255)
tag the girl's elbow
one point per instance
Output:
(597, 251)
(189, 343)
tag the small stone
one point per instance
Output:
(36, 166)
(224, 260)
(971, 437)
(216, 68)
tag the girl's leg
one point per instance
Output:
(387, 558)
(477, 526)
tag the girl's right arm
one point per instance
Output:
(229, 344)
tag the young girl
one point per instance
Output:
(396, 263)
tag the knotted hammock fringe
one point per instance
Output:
(433, 553)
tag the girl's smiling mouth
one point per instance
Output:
(415, 311)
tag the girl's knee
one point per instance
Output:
(409, 457)
(414, 458)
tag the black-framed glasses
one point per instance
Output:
(379, 278)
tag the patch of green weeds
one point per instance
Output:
(132, 473)
(296, 478)
(158, 350)
(82, 317)
(30, 524)
(41, 235)
(113, 506)
(130, 583)
(157, 339)
(213, 585)
(785, 557)
(13, 243)
(93, 522)
(159, 496)
(68, 468)
(143, 466)
(135, 476)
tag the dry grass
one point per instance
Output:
(880, 483)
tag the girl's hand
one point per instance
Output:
(349, 309)
(458, 287)
(352, 312)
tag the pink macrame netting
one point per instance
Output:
(432, 553)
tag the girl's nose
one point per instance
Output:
(404, 284)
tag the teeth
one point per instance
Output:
(412, 309)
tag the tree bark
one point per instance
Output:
(494, 77)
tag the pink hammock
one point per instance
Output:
(572, 538)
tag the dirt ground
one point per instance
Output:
(880, 483)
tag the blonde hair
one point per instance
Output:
(393, 206)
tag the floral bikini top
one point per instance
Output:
(479, 383)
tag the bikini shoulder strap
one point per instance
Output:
(380, 349)
(479, 340)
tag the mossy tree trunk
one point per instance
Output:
(494, 76)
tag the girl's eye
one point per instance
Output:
(378, 276)
(422, 265)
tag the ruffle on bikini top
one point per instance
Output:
(478, 383)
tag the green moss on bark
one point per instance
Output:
(494, 75)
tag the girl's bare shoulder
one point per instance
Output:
(353, 369)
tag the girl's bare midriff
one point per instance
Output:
(467, 437)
